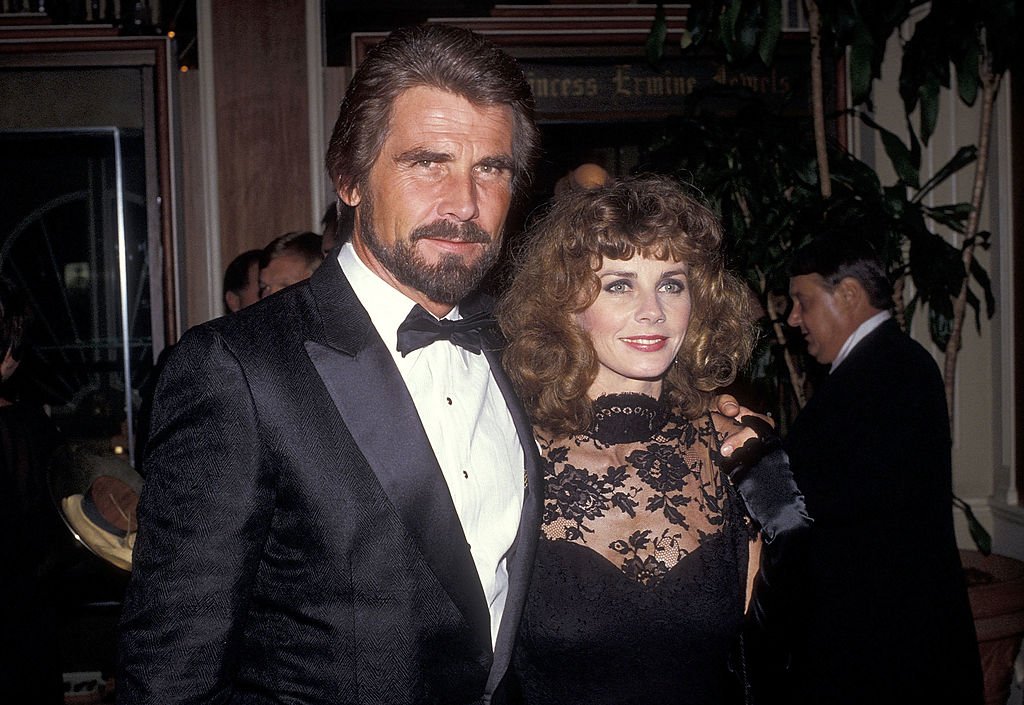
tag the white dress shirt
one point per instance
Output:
(858, 335)
(469, 427)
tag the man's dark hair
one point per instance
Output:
(236, 276)
(836, 257)
(337, 225)
(300, 243)
(14, 317)
(433, 56)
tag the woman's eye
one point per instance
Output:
(672, 286)
(617, 287)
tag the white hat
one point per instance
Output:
(103, 519)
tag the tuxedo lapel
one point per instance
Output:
(378, 411)
(521, 555)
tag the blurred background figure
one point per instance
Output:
(876, 609)
(336, 226)
(242, 281)
(30, 525)
(586, 176)
(289, 259)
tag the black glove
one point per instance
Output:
(760, 472)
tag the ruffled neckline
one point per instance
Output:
(627, 417)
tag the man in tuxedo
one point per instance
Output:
(342, 492)
(876, 610)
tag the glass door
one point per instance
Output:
(74, 236)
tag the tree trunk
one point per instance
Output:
(796, 377)
(989, 89)
(818, 98)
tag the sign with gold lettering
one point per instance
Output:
(632, 88)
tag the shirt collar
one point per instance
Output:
(386, 305)
(858, 335)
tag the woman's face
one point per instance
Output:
(637, 323)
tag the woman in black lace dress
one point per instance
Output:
(621, 323)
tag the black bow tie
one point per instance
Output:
(420, 329)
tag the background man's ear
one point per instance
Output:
(850, 292)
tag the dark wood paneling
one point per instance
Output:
(262, 125)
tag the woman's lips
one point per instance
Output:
(647, 343)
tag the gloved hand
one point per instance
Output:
(759, 470)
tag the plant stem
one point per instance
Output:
(989, 89)
(796, 378)
(899, 307)
(818, 99)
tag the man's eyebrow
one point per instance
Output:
(423, 155)
(498, 161)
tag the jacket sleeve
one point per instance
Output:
(203, 516)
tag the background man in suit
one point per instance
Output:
(242, 281)
(878, 607)
(327, 519)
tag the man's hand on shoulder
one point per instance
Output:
(735, 434)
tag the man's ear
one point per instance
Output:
(233, 301)
(850, 293)
(350, 195)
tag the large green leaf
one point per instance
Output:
(655, 45)
(981, 276)
(953, 216)
(861, 55)
(929, 102)
(728, 21)
(981, 537)
(771, 11)
(905, 162)
(940, 326)
(748, 31)
(936, 267)
(967, 78)
(1002, 32)
(963, 157)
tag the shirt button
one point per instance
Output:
(449, 400)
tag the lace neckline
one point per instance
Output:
(627, 417)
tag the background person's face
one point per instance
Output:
(283, 270)
(429, 218)
(819, 316)
(251, 293)
(637, 323)
(248, 294)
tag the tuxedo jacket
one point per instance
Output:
(297, 541)
(877, 608)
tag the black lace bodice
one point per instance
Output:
(637, 593)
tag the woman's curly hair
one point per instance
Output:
(552, 361)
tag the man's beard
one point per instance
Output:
(448, 280)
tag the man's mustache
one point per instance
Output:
(454, 232)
